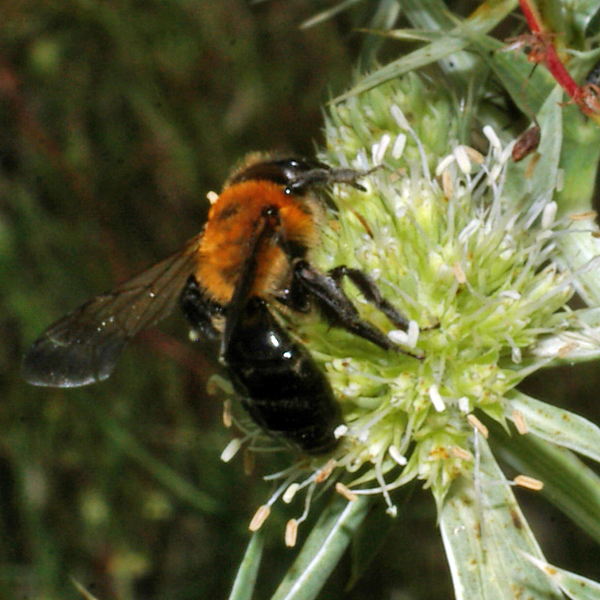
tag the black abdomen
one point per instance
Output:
(281, 387)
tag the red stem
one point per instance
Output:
(553, 62)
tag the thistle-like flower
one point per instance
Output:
(474, 261)
(470, 266)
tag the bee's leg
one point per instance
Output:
(200, 310)
(371, 292)
(327, 295)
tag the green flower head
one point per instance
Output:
(471, 268)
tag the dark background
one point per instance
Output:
(116, 118)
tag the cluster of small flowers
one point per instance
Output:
(472, 271)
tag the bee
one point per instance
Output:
(250, 261)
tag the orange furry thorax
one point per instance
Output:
(230, 229)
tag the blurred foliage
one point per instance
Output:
(116, 118)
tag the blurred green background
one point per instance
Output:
(116, 118)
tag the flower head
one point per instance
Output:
(470, 265)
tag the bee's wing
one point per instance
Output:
(84, 346)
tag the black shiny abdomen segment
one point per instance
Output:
(281, 387)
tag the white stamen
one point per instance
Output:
(398, 336)
(398, 147)
(477, 424)
(590, 214)
(544, 235)
(463, 404)
(413, 333)
(399, 117)
(212, 197)
(469, 230)
(506, 153)
(231, 449)
(461, 453)
(289, 494)
(341, 489)
(549, 214)
(512, 294)
(447, 185)
(516, 355)
(291, 533)
(352, 390)
(495, 172)
(462, 159)
(519, 421)
(307, 501)
(531, 483)
(363, 435)
(459, 273)
(380, 148)
(444, 164)
(340, 431)
(227, 420)
(494, 140)
(436, 398)
(396, 456)
(260, 516)
(406, 338)
(474, 155)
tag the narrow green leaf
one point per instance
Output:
(483, 531)
(557, 425)
(485, 18)
(385, 16)
(409, 35)
(545, 174)
(580, 255)
(410, 62)
(579, 160)
(328, 13)
(574, 586)
(245, 579)
(568, 483)
(579, 163)
(434, 15)
(323, 549)
(542, 182)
